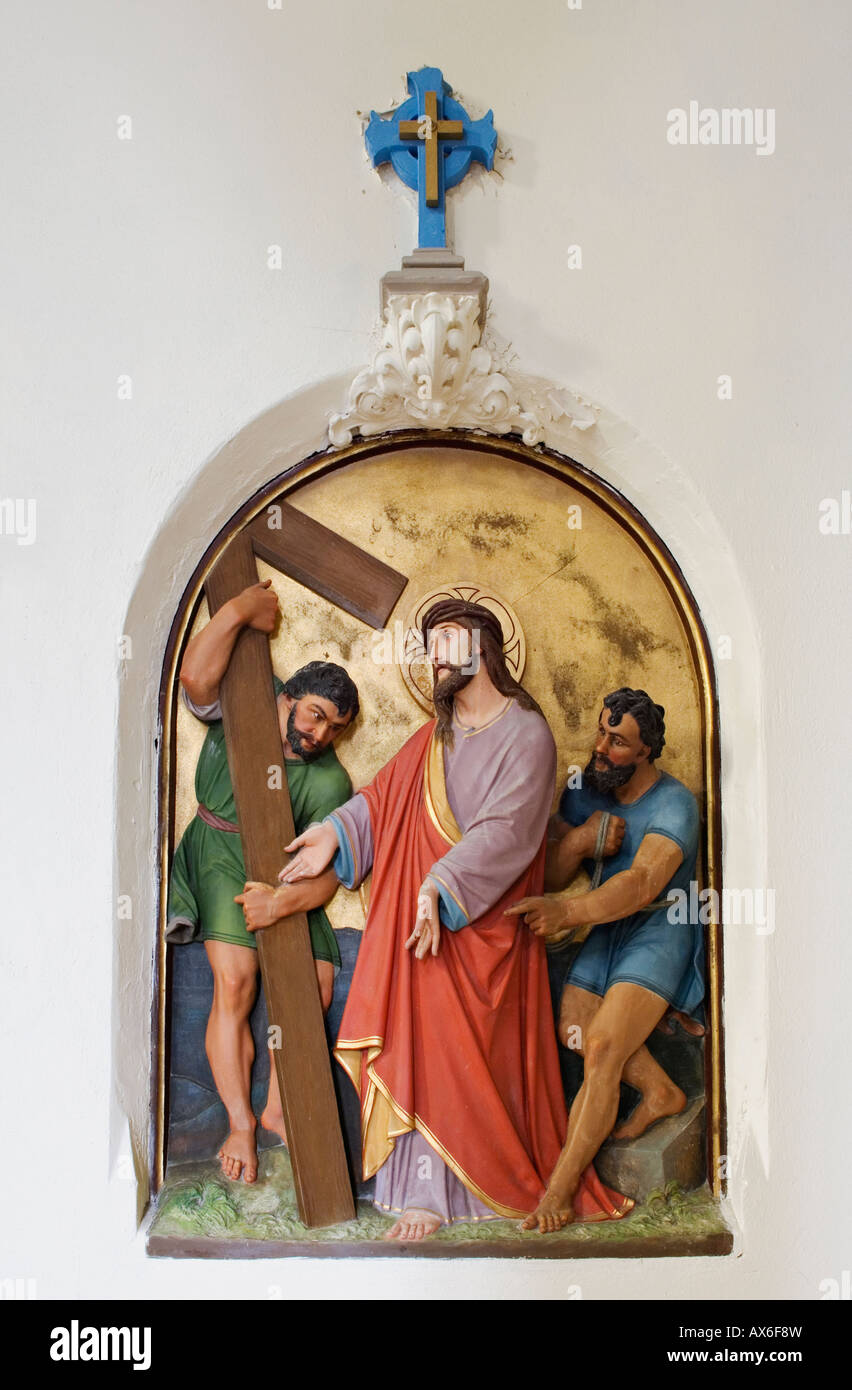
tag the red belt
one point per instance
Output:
(217, 822)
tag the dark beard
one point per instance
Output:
(609, 779)
(297, 742)
(443, 695)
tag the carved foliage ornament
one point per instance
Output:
(431, 372)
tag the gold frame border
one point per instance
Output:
(629, 517)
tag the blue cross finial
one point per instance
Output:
(430, 141)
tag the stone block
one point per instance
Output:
(435, 269)
(672, 1150)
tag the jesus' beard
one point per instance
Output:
(607, 779)
(443, 696)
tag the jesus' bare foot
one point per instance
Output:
(415, 1224)
(238, 1156)
(273, 1120)
(552, 1213)
(655, 1105)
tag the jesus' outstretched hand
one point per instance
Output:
(312, 852)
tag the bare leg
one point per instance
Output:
(618, 1028)
(659, 1094)
(273, 1112)
(230, 1051)
(577, 1009)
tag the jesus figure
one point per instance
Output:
(448, 1033)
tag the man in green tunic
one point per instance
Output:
(209, 897)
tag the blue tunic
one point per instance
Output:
(647, 948)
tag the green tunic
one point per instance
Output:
(209, 870)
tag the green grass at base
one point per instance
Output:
(196, 1201)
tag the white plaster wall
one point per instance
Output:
(148, 257)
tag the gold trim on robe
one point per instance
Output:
(435, 794)
(384, 1121)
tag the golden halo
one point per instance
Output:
(416, 671)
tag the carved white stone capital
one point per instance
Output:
(431, 372)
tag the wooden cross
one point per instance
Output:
(358, 583)
(430, 130)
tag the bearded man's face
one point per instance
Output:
(603, 776)
(618, 752)
(313, 723)
(453, 657)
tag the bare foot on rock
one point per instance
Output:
(415, 1224)
(238, 1156)
(656, 1105)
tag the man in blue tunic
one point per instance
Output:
(637, 963)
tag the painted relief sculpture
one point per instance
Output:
(473, 1048)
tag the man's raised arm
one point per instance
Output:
(206, 658)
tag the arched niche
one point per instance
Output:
(601, 600)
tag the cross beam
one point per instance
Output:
(430, 130)
(360, 584)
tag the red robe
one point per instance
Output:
(460, 1046)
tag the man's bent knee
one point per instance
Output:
(234, 991)
(601, 1054)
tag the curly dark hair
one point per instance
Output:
(328, 680)
(649, 717)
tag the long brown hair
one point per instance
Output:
(495, 664)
